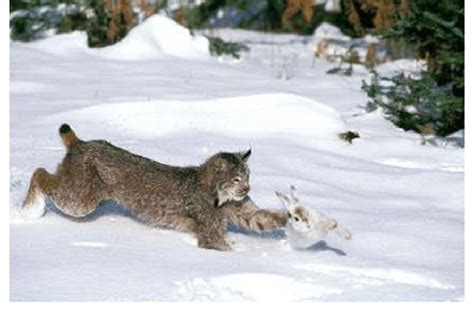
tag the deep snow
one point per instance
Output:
(402, 201)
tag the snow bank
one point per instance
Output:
(71, 44)
(406, 66)
(330, 41)
(155, 37)
(245, 116)
(329, 31)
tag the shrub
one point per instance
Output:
(105, 22)
(71, 22)
(418, 104)
(433, 102)
(30, 24)
(217, 46)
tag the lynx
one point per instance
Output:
(199, 199)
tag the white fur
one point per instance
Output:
(303, 234)
(225, 196)
(35, 209)
(303, 239)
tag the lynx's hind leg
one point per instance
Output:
(79, 194)
(76, 194)
(33, 206)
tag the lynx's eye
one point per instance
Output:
(237, 180)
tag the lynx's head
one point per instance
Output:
(227, 176)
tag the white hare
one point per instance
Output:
(305, 227)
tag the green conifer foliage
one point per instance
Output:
(433, 102)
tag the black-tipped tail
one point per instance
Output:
(68, 136)
(65, 128)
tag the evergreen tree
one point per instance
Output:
(434, 102)
(97, 26)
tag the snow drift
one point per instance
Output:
(157, 37)
(328, 31)
(245, 116)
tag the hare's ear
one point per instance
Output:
(284, 199)
(294, 195)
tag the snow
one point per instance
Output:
(401, 200)
(331, 44)
(292, 116)
(157, 37)
(74, 43)
(407, 67)
(328, 31)
(333, 6)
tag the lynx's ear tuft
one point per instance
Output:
(68, 136)
(245, 155)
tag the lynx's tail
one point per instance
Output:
(69, 137)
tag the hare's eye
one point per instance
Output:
(296, 219)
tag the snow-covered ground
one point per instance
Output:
(402, 201)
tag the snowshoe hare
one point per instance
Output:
(304, 227)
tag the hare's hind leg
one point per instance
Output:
(342, 232)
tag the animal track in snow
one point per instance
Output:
(251, 287)
(375, 276)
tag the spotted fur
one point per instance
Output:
(199, 199)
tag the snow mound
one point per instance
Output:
(71, 44)
(329, 31)
(155, 37)
(371, 39)
(245, 116)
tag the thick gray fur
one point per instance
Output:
(199, 199)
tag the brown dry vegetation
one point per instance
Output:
(121, 9)
(293, 7)
(384, 12)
